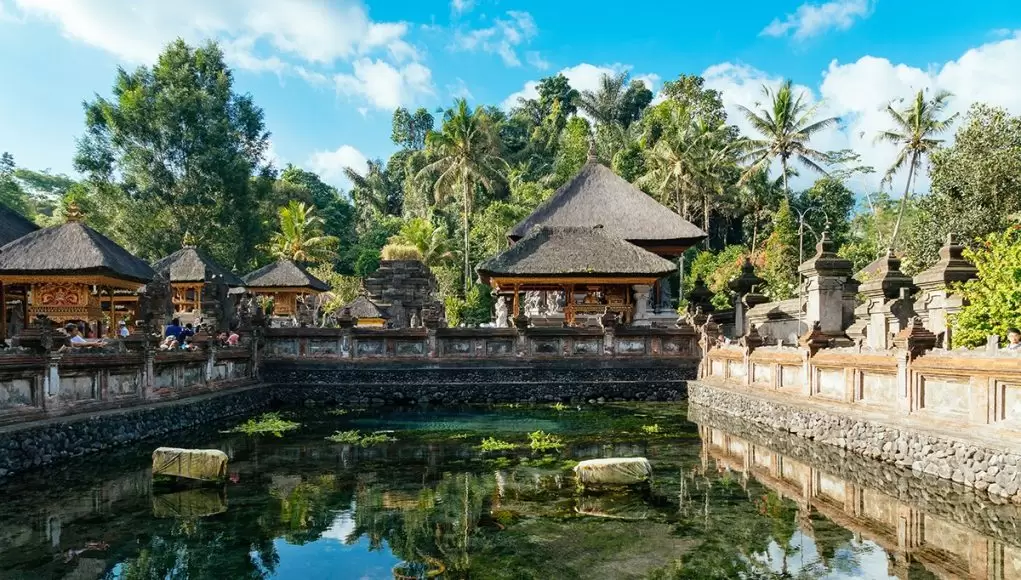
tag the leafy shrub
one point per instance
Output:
(994, 298)
(356, 438)
(542, 441)
(651, 429)
(558, 406)
(267, 423)
(494, 444)
(401, 252)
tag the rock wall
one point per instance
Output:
(996, 471)
(52, 441)
(477, 383)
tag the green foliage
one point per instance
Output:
(343, 289)
(831, 202)
(780, 255)
(301, 237)
(475, 309)
(432, 242)
(559, 407)
(410, 130)
(356, 438)
(11, 193)
(716, 269)
(265, 424)
(490, 444)
(542, 441)
(184, 146)
(401, 252)
(994, 298)
(651, 429)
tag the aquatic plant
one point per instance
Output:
(543, 441)
(267, 423)
(651, 429)
(356, 438)
(559, 407)
(494, 444)
(338, 412)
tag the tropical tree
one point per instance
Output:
(467, 149)
(301, 237)
(430, 239)
(785, 127)
(915, 130)
(671, 163)
(373, 193)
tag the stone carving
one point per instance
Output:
(554, 302)
(408, 283)
(414, 322)
(533, 303)
(398, 316)
(501, 313)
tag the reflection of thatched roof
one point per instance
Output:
(13, 225)
(574, 251)
(284, 274)
(192, 265)
(71, 248)
(362, 307)
(598, 196)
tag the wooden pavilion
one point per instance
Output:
(285, 282)
(194, 277)
(595, 272)
(67, 271)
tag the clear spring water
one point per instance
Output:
(433, 505)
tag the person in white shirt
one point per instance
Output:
(122, 329)
(1014, 340)
(74, 335)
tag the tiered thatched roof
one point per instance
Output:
(190, 264)
(72, 249)
(598, 196)
(363, 308)
(574, 252)
(284, 274)
(13, 225)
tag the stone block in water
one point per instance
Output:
(614, 471)
(199, 464)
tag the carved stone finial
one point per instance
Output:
(188, 241)
(752, 339)
(73, 213)
(952, 267)
(814, 339)
(345, 319)
(915, 338)
(747, 281)
(592, 149)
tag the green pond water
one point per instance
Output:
(429, 504)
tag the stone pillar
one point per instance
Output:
(884, 312)
(51, 382)
(641, 302)
(935, 304)
(825, 276)
(148, 369)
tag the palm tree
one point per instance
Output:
(716, 160)
(301, 236)
(915, 128)
(371, 192)
(468, 155)
(604, 104)
(786, 128)
(756, 196)
(672, 161)
(430, 239)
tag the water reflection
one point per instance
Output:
(433, 506)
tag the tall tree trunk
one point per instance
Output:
(904, 200)
(786, 189)
(705, 218)
(467, 260)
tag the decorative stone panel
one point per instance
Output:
(370, 347)
(830, 384)
(945, 396)
(628, 345)
(321, 347)
(762, 374)
(500, 347)
(78, 387)
(123, 384)
(878, 389)
(16, 392)
(586, 346)
(409, 348)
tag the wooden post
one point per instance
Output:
(3, 313)
(24, 309)
(112, 331)
(515, 301)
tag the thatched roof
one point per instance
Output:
(190, 264)
(574, 251)
(71, 248)
(362, 307)
(284, 274)
(13, 225)
(598, 196)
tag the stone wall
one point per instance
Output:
(27, 447)
(986, 465)
(457, 383)
(968, 536)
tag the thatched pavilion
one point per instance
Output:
(284, 281)
(366, 312)
(13, 225)
(13, 301)
(595, 272)
(194, 277)
(67, 269)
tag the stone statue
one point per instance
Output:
(398, 316)
(501, 312)
(554, 302)
(533, 303)
(413, 322)
(664, 294)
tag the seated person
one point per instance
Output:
(169, 343)
(75, 339)
(174, 328)
(1014, 340)
(122, 329)
(233, 339)
(188, 344)
(186, 332)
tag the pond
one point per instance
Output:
(423, 500)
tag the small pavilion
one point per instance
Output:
(285, 282)
(597, 196)
(195, 277)
(595, 272)
(13, 301)
(67, 271)
(366, 312)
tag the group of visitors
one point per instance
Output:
(177, 337)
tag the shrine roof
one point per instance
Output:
(189, 264)
(362, 307)
(284, 274)
(13, 225)
(575, 251)
(598, 196)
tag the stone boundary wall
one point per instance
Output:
(479, 382)
(24, 447)
(993, 468)
(748, 444)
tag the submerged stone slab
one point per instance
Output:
(614, 471)
(200, 464)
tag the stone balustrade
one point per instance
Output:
(82, 382)
(410, 344)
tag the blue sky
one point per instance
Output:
(329, 73)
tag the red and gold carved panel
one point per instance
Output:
(61, 295)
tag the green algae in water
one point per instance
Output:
(265, 424)
(490, 444)
(356, 438)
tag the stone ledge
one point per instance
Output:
(987, 468)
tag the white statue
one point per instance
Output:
(501, 312)
(554, 302)
(533, 303)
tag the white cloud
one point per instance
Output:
(383, 85)
(859, 91)
(461, 6)
(330, 164)
(307, 30)
(535, 59)
(582, 77)
(503, 38)
(459, 90)
(813, 19)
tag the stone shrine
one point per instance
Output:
(407, 284)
